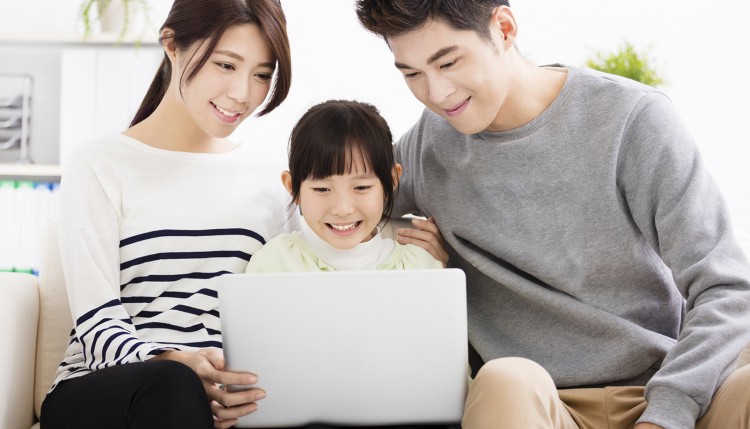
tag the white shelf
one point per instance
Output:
(69, 39)
(30, 171)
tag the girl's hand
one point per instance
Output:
(427, 236)
(226, 406)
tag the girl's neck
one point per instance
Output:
(367, 255)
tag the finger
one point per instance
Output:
(227, 377)
(414, 236)
(436, 251)
(224, 424)
(232, 399)
(231, 413)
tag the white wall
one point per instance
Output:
(699, 48)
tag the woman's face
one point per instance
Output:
(231, 84)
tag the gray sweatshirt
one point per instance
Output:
(594, 242)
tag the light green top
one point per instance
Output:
(290, 253)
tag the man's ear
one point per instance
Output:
(503, 21)
(286, 180)
(397, 170)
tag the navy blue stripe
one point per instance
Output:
(194, 328)
(98, 335)
(175, 294)
(169, 294)
(182, 308)
(197, 344)
(174, 277)
(120, 347)
(185, 255)
(90, 314)
(191, 233)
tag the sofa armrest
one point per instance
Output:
(19, 315)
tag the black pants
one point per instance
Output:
(145, 395)
(155, 394)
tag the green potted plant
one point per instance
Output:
(114, 16)
(627, 62)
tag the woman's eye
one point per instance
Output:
(264, 76)
(225, 66)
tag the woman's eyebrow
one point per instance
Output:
(238, 57)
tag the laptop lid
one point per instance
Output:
(349, 348)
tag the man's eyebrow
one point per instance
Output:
(441, 53)
(434, 57)
(238, 57)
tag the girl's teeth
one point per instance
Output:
(343, 227)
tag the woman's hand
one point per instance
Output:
(226, 406)
(425, 235)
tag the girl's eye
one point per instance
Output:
(362, 188)
(321, 190)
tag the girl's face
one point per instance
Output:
(342, 210)
(231, 84)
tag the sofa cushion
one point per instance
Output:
(55, 322)
(19, 306)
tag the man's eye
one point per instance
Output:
(411, 75)
(448, 65)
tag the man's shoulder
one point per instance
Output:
(428, 126)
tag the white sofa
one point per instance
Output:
(35, 319)
(36, 322)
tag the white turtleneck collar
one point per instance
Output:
(364, 256)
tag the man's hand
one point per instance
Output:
(425, 235)
(226, 406)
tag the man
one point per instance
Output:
(597, 248)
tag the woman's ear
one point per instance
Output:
(397, 170)
(167, 41)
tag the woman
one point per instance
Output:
(149, 215)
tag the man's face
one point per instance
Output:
(456, 74)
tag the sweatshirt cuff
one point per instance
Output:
(670, 409)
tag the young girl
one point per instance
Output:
(343, 177)
(150, 214)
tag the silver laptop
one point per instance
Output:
(349, 348)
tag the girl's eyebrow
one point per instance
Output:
(238, 57)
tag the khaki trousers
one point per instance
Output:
(517, 393)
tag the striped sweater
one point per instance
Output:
(142, 230)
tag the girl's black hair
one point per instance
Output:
(196, 21)
(327, 137)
